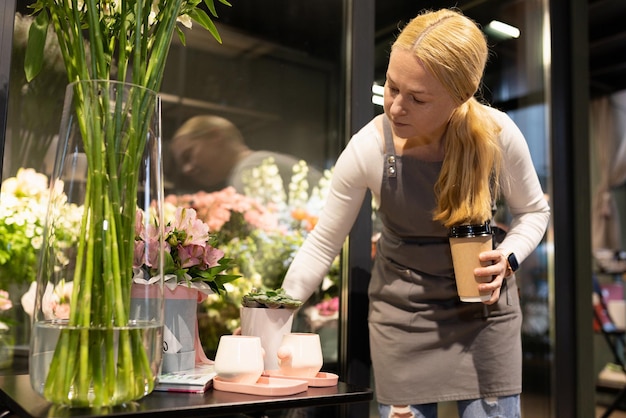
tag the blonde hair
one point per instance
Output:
(454, 50)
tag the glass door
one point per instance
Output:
(260, 116)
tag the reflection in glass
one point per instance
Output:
(251, 132)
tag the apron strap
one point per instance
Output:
(390, 151)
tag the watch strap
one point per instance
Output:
(512, 264)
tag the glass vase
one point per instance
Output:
(94, 343)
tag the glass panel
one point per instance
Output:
(278, 78)
(33, 120)
(516, 80)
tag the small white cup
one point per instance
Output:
(239, 359)
(300, 355)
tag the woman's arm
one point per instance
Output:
(358, 169)
(522, 192)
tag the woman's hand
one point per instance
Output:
(495, 272)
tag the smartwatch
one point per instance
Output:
(512, 263)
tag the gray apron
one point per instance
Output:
(426, 345)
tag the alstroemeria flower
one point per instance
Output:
(146, 250)
(188, 243)
(195, 231)
(190, 255)
(5, 302)
(212, 256)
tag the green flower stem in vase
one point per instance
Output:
(105, 349)
(96, 344)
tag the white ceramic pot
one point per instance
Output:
(300, 354)
(239, 359)
(269, 325)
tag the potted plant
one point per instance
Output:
(268, 314)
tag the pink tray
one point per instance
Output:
(322, 379)
(265, 386)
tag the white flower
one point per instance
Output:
(27, 182)
(23, 210)
(185, 20)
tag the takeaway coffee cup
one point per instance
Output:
(466, 243)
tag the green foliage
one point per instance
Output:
(266, 254)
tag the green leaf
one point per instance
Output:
(227, 278)
(33, 62)
(205, 21)
(181, 36)
(211, 6)
(169, 267)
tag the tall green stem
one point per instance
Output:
(114, 130)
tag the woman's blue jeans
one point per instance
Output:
(502, 407)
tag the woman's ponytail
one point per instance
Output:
(471, 167)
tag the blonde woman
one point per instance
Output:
(434, 160)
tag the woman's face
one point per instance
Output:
(417, 105)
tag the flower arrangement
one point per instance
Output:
(127, 41)
(190, 254)
(261, 230)
(125, 36)
(231, 214)
(23, 204)
(270, 253)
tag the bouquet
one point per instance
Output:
(190, 254)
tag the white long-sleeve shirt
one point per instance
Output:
(360, 167)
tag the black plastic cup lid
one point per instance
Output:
(468, 231)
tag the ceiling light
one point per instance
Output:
(502, 29)
(377, 100)
(378, 89)
(377, 96)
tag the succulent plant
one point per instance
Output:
(267, 298)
